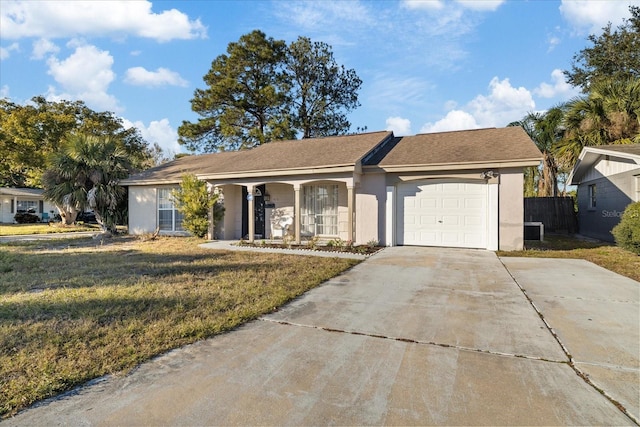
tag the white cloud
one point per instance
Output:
(399, 126)
(503, 105)
(423, 4)
(139, 76)
(478, 5)
(558, 87)
(591, 15)
(4, 91)
(481, 5)
(86, 75)
(42, 47)
(100, 18)
(5, 52)
(322, 14)
(396, 92)
(450, 105)
(553, 42)
(160, 132)
(454, 120)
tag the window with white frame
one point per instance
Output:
(30, 206)
(320, 210)
(169, 218)
(592, 196)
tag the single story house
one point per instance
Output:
(13, 200)
(455, 189)
(608, 180)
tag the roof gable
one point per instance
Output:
(464, 148)
(590, 156)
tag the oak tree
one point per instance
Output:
(31, 132)
(615, 54)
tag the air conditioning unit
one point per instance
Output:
(534, 231)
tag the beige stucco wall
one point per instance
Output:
(370, 208)
(232, 220)
(142, 209)
(511, 210)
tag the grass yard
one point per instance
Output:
(603, 254)
(23, 229)
(73, 310)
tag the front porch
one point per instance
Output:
(297, 210)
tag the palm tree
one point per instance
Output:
(609, 114)
(545, 129)
(85, 173)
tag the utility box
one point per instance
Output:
(534, 231)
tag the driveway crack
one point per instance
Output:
(412, 341)
(572, 363)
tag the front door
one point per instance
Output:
(258, 209)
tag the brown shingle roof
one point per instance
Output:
(307, 153)
(463, 147)
(274, 156)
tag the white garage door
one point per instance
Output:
(452, 214)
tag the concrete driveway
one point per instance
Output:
(412, 336)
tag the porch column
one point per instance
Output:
(15, 208)
(252, 213)
(210, 231)
(297, 218)
(350, 214)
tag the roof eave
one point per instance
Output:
(589, 156)
(279, 172)
(460, 166)
(154, 181)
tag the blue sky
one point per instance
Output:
(426, 66)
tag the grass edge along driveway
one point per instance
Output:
(74, 310)
(604, 254)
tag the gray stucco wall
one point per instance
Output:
(613, 194)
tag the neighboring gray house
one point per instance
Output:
(608, 179)
(457, 189)
(14, 200)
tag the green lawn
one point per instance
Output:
(75, 309)
(22, 229)
(603, 254)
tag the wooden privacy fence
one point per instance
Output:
(556, 213)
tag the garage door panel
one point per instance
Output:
(442, 214)
(448, 203)
(429, 203)
(473, 221)
(450, 220)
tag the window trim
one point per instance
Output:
(33, 205)
(328, 215)
(592, 192)
(176, 216)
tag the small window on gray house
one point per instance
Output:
(592, 196)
